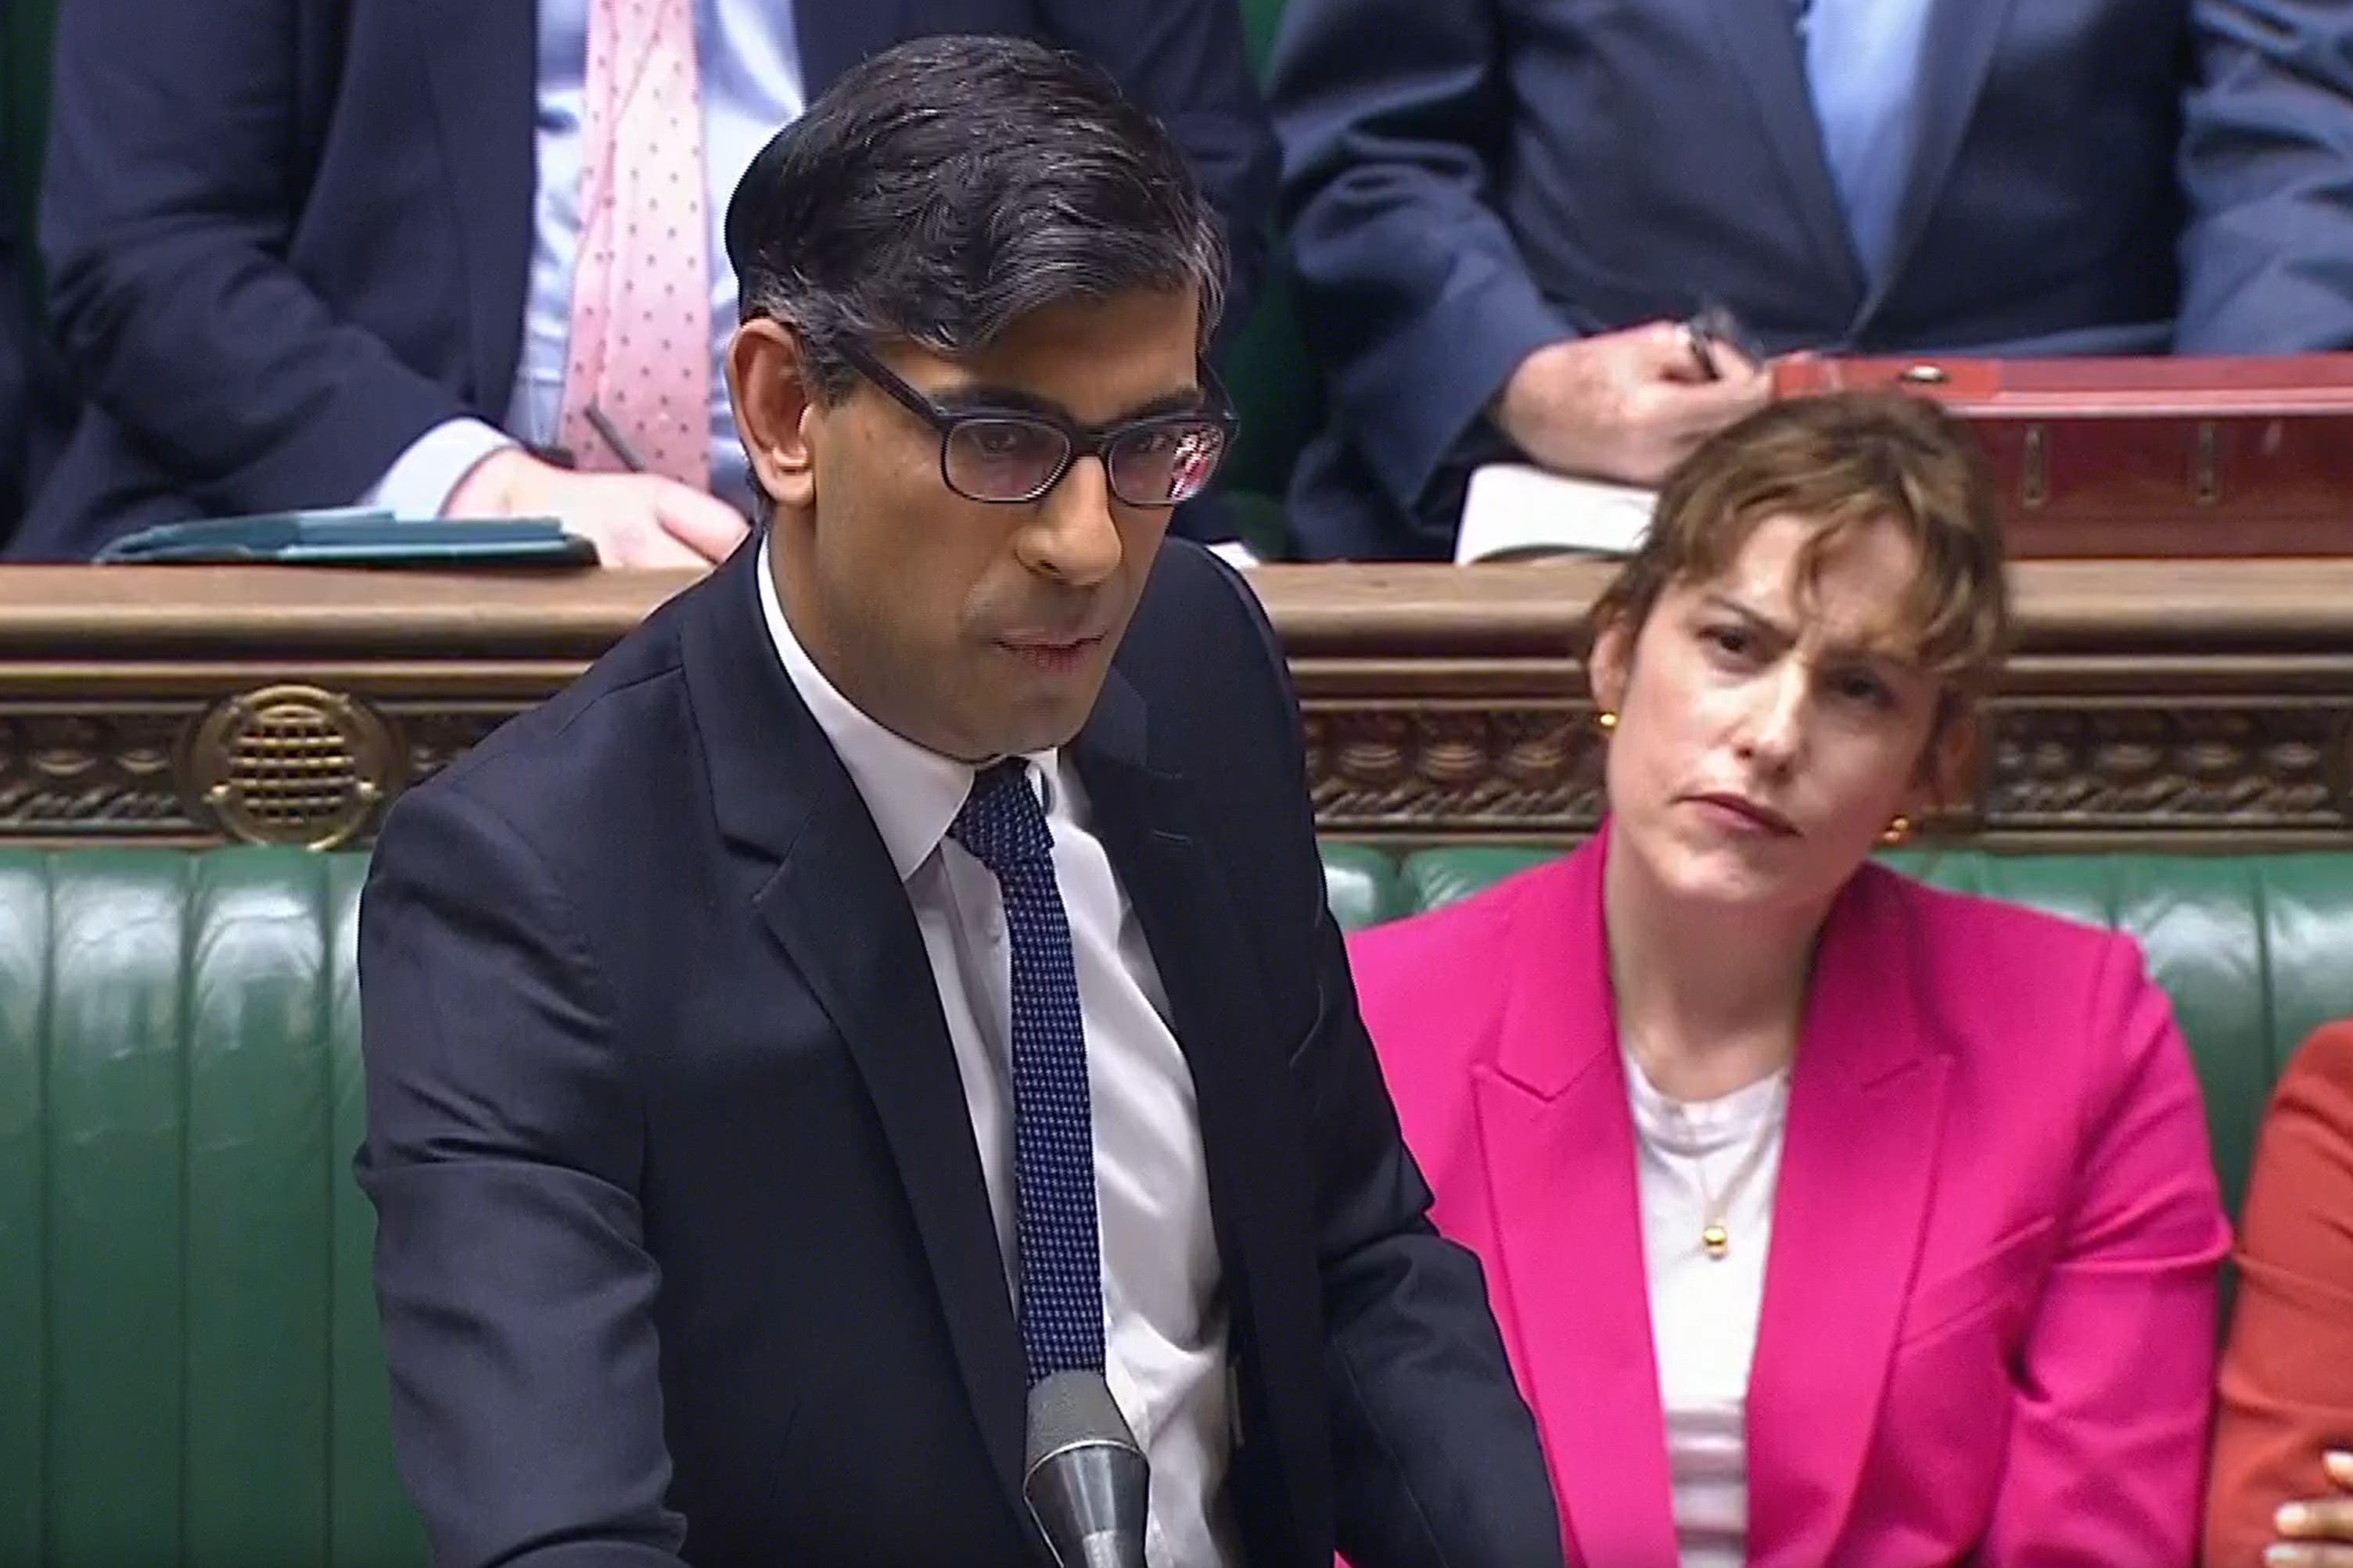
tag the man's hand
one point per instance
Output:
(634, 520)
(2318, 1531)
(1625, 405)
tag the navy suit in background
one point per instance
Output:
(1467, 180)
(286, 241)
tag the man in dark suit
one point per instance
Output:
(326, 252)
(1497, 210)
(863, 995)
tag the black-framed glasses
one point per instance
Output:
(1009, 457)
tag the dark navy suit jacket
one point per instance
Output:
(683, 1247)
(288, 236)
(1466, 180)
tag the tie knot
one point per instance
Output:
(1001, 822)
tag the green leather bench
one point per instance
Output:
(189, 1367)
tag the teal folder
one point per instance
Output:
(353, 537)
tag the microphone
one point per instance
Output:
(1084, 1478)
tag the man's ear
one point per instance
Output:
(1608, 664)
(776, 401)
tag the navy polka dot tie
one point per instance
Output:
(1053, 1124)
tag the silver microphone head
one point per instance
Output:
(1083, 1475)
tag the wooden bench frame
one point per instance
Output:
(2180, 704)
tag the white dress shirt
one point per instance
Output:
(750, 67)
(1164, 1303)
(1704, 1309)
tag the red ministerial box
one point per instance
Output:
(2188, 456)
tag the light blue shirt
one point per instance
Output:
(752, 84)
(1863, 66)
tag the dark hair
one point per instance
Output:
(1843, 462)
(943, 189)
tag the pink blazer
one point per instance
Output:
(1989, 1325)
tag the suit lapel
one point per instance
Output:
(1147, 824)
(1866, 1116)
(1557, 1141)
(1955, 58)
(1760, 42)
(835, 906)
(482, 63)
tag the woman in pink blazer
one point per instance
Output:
(1830, 1219)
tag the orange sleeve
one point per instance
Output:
(2287, 1373)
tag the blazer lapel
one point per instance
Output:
(1559, 1144)
(482, 63)
(1146, 820)
(1761, 41)
(1867, 1117)
(1955, 58)
(835, 904)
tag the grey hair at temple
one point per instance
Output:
(942, 190)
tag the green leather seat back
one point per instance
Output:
(2256, 950)
(192, 1374)
(1361, 886)
(190, 1368)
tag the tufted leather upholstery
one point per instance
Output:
(189, 1367)
(2256, 950)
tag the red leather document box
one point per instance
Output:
(2144, 456)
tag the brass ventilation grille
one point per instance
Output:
(293, 764)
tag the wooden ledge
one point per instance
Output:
(2149, 703)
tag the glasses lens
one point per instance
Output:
(1004, 459)
(1164, 463)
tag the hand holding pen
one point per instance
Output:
(1627, 406)
(1720, 346)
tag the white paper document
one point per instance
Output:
(1515, 511)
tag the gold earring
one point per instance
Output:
(1898, 831)
(1606, 719)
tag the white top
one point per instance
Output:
(1163, 1304)
(1704, 1309)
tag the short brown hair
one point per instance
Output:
(1844, 461)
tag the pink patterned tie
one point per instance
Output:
(640, 331)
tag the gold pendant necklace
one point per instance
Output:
(1715, 1234)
